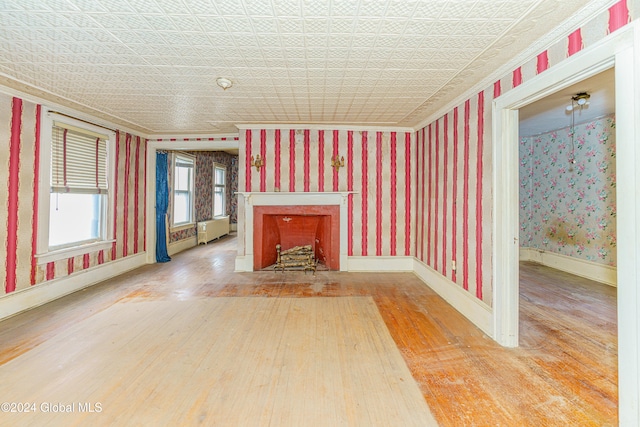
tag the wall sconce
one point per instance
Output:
(258, 162)
(337, 163)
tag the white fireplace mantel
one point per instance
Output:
(246, 201)
(277, 198)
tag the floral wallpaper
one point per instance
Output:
(204, 178)
(203, 186)
(232, 197)
(570, 207)
(203, 192)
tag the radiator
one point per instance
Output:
(212, 229)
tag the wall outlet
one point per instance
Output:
(453, 265)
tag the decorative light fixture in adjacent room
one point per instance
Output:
(224, 83)
(578, 100)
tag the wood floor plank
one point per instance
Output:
(225, 361)
(563, 374)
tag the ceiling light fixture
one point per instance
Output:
(224, 83)
(581, 99)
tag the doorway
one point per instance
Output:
(621, 51)
(567, 223)
(567, 179)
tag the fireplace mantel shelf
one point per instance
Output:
(295, 198)
(294, 193)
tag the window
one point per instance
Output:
(75, 219)
(219, 190)
(75, 200)
(183, 176)
(78, 191)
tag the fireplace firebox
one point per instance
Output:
(291, 226)
(252, 206)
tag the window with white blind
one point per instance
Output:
(183, 189)
(78, 196)
(219, 189)
(74, 198)
(78, 160)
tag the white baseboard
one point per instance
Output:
(244, 264)
(25, 299)
(182, 245)
(380, 263)
(587, 269)
(469, 306)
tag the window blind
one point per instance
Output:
(78, 160)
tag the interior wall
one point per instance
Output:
(570, 209)
(203, 189)
(453, 201)
(378, 166)
(20, 143)
(467, 129)
(204, 186)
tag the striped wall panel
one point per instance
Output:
(20, 143)
(132, 197)
(447, 188)
(17, 154)
(454, 217)
(454, 168)
(377, 165)
(129, 185)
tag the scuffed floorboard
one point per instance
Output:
(563, 374)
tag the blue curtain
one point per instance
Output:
(162, 203)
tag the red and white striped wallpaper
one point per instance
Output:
(453, 180)
(425, 194)
(453, 201)
(19, 156)
(378, 166)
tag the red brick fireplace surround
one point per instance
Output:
(318, 226)
(319, 219)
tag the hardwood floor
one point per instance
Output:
(563, 374)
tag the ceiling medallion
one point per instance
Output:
(224, 83)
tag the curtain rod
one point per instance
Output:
(84, 121)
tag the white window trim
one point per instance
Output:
(192, 221)
(219, 165)
(43, 253)
(64, 253)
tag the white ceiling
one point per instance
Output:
(151, 65)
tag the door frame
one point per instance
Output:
(622, 51)
(220, 143)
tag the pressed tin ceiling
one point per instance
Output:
(152, 65)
